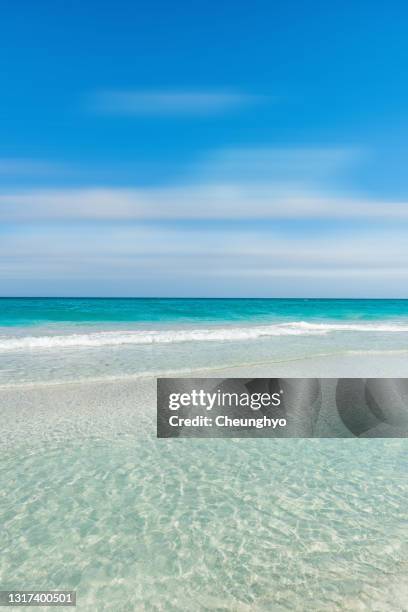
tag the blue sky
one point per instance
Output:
(229, 148)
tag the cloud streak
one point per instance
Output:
(218, 201)
(172, 240)
(263, 184)
(169, 103)
(17, 167)
(140, 259)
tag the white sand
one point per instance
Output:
(127, 407)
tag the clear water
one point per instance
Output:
(136, 523)
(76, 339)
(91, 500)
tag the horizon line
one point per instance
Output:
(147, 297)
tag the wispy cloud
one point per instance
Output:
(198, 202)
(308, 166)
(85, 237)
(254, 184)
(169, 102)
(151, 259)
(18, 167)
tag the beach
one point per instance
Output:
(126, 406)
(93, 501)
(204, 306)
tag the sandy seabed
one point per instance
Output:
(92, 501)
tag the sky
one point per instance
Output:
(217, 149)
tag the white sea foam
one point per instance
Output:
(168, 336)
(374, 326)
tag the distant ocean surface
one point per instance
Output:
(60, 339)
(40, 311)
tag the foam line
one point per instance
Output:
(168, 336)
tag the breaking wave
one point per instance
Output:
(168, 336)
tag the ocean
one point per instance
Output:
(91, 500)
(61, 339)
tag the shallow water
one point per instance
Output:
(47, 340)
(208, 525)
(91, 500)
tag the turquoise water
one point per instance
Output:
(34, 311)
(91, 500)
(45, 340)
